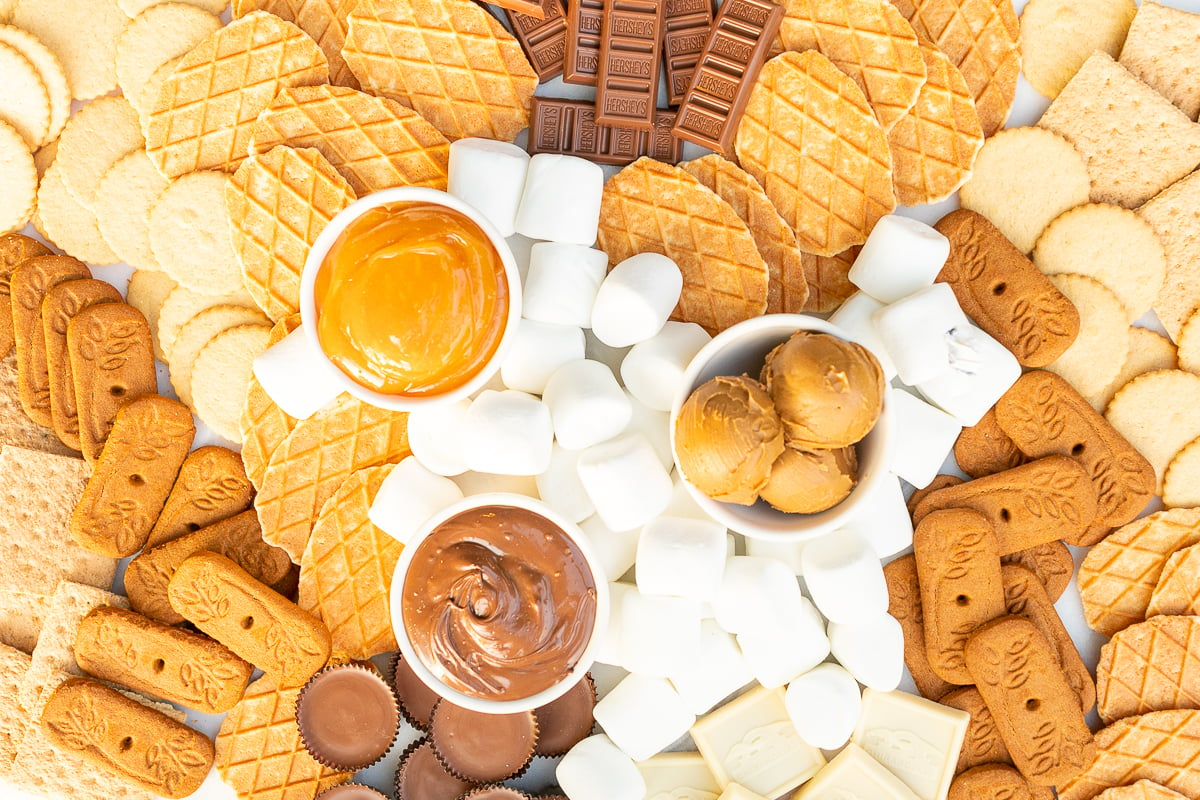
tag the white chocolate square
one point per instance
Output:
(678, 776)
(735, 791)
(853, 773)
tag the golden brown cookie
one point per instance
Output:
(1151, 666)
(1159, 746)
(982, 744)
(211, 486)
(995, 782)
(985, 449)
(1178, 587)
(904, 603)
(1051, 562)
(940, 481)
(14, 249)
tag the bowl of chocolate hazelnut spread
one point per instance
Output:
(499, 603)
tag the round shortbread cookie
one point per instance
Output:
(221, 374)
(144, 101)
(50, 70)
(1148, 351)
(1189, 344)
(181, 304)
(1111, 244)
(82, 34)
(1057, 36)
(1181, 484)
(25, 101)
(1158, 414)
(196, 332)
(1023, 179)
(96, 137)
(1096, 355)
(68, 223)
(147, 291)
(134, 7)
(125, 196)
(18, 176)
(161, 33)
(190, 234)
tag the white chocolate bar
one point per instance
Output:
(678, 776)
(854, 773)
(916, 739)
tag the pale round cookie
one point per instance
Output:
(157, 35)
(1096, 355)
(1189, 344)
(147, 291)
(82, 34)
(1057, 36)
(144, 101)
(96, 137)
(124, 198)
(190, 234)
(1111, 244)
(50, 70)
(68, 223)
(1158, 414)
(181, 304)
(24, 102)
(221, 374)
(1023, 179)
(134, 7)
(196, 332)
(19, 179)
(1148, 351)
(1181, 484)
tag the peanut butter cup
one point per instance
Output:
(421, 776)
(495, 792)
(482, 748)
(348, 716)
(351, 791)
(416, 699)
(565, 722)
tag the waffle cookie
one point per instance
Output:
(325, 21)
(264, 424)
(1150, 666)
(1162, 746)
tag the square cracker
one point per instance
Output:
(16, 428)
(1163, 49)
(1135, 142)
(13, 666)
(1175, 216)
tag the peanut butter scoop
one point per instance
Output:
(809, 481)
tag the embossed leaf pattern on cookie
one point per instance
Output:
(1047, 496)
(113, 645)
(206, 675)
(123, 523)
(211, 487)
(169, 761)
(82, 726)
(107, 345)
(288, 650)
(204, 601)
(1041, 420)
(148, 435)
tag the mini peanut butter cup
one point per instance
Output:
(421, 776)
(495, 791)
(352, 791)
(416, 699)
(348, 716)
(565, 722)
(482, 748)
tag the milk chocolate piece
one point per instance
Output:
(347, 716)
(565, 722)
(686, 27)
(531, 8)
(482, 748)
(737, 46)
(422, 777)
(581, 63)
(568, 127)
(416, 699)
(544, 39)
(630, 62)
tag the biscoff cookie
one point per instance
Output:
(904, 603)
(982, 744)
(263, 627)
(995, 782)
(211, 486)
(939, 482)
(1178, 587)
(1150, 666)
(1148, 351)
(1096, 355)
(1036, 712)
(1003, 292)
(1051, 562)
(14, 249)
(985, 449)
(1157, 413)
(146, 747)
(156, 659)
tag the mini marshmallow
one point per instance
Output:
(507, 433)
(681, 558)
(408, 496)
(923, 435)
(872, 650)
(981, 370)
(562, 283)
(596, 769)
(561, 201)
(719, 670)
(855, 317)
(653, 370)
(824, 704)
(789, 647)
(756, 594)
(636, 299)
(559, 486)
(900, 256)
(643, 715)
(472, 483)
(586, 404)
(781, 550)
(656, 427)
(625, 480)
(521, 247)
(538, 349)
(844, 577)
(616, 551)
(490, 176)
(297, 377)
(683, 504)
(659, 635)
(435, 437)
(611, 649)
(883, 519)
(596, 350)
(916, 332)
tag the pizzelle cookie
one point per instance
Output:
(222, 373)
(1150, 666)
(1160, 746)
(211, 486)
(985, 449)
(1178, 587)
(264, 425)
(326, 21)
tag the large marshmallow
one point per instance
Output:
(625, 480)
(559, 486)
(756, 594)
(659, 635)
(561, 201)
(643, 715)
(596, 769)
(824, 704)
(508, 433)
(473, 483)
(981, 370)
(538, 349)
(616, 550)
(681, 557)
(296, 376)
(435, 437)
(872, 650)
(653, 370)
(784, 550)
(916, 332)
(883, 519)
(490, 176)
(655, 426)
(636, 299)
(789, 647)
(922, 436)
(611, 649)
(719, 670)
(856, 317)
(900, 256)
(586, 404)
(562, 283)
(844, 577)
(409, 496)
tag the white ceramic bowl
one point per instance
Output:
(312, 265)
(743, 348)
(599, 628)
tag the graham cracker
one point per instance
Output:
(1163, 49)
(13, 666)
(17, 429)
(1175, 216)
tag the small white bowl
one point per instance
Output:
(743, 348)
(308, 305)
(599, 627)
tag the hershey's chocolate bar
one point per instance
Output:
(581, 64)
(543, 40)
(630, 62)
(568, 127)
(687, 23)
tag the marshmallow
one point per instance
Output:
(844, 577)
(783, 550)
(559, 486)
(981, 370)
(596, 769)
(653, 370)
(538, 349)
(656, 427)
(755, 594)
(521, 247)
(643, 715)
(854, 316)
(605, 678)
(507, 433)
(299, 379)
(616, 551)
(596, 350)
(872, 650)
(586, 404)
(900, 257)
(636, 299)
(610, 650)
(916, 332)
(824, 704)
(561, 201)
(681, 558)
(659, 635)
(490, 176)
(788, 647)
(718, 671)
(683, 504)
(435, 437)
(922, 438)
(562, 283)
(625, 480)
(883, 519)
(486, 483)
(408, 496)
